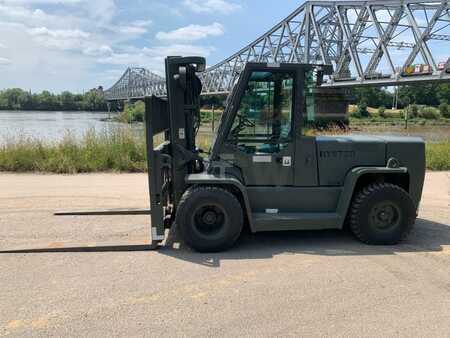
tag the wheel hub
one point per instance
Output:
(384, 215)
(209, 217)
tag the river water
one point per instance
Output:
(53, 126)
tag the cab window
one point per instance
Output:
(263, 123)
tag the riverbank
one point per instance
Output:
(119, 150)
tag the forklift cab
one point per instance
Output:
(261, 132)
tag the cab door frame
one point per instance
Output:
(303, 161)
(262, 169)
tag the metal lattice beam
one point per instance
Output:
(366, 42)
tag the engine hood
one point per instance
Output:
(339, 154)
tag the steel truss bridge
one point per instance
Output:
(366, 42)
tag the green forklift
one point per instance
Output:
(264, 172)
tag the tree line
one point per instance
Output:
(427, 94)
(18, 99)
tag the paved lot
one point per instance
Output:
(93, 277)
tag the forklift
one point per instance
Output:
(264, 171)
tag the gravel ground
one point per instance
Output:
(94, 277)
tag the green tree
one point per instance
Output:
(444, 109)
(362, 109)
(67, 101)
(373, 96)
(94, 101)
(47, 101)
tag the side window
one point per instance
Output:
(263, 123)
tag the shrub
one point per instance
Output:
(444, 110)
(355, 115)
(362, 109)
(429, 113)
(412, 110)
(382, 112)
(133, 113)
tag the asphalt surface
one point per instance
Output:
(93, 276)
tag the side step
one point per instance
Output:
(113, 212)
(296, 221)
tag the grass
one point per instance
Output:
(438, 156)
(119, 150)
(110, 150)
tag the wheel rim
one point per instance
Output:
(209, 220)
(385, 215)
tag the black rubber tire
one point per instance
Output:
(230, 228)
(364, 205)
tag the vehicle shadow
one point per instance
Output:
(427, 236)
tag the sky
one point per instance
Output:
(76, 45)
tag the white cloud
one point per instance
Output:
(102, 11)
(133, 29)
(59, 33)
(192, 33)
(101, 51)
(142, 23)
(4, 61)
(77, 44)
(64, 39)
(212, 6)
(42, 2)
(153, 57)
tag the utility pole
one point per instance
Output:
(213, 119)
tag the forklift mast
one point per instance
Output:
(178, 118)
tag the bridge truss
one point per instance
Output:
(366, 42)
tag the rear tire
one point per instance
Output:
(209, 219)
(382, 214)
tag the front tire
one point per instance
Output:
(210, 219)
(382, 214)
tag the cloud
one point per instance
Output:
(64, 39)
(100, 51)
(192, 33)
(4, 61)
(142, 23)
(133, 29)
(43, 2)
(212, 6)
(59, 33)
(153, 57)
(77, 44)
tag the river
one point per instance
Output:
(52, 126)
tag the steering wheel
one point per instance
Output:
(243, 122)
